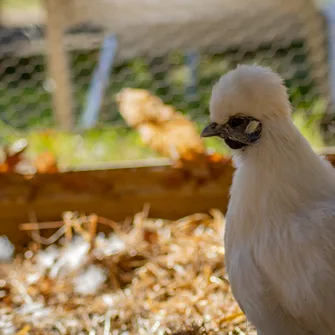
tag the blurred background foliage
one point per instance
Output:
(27, 91)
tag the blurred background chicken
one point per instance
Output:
(168, 132)
(160, 126)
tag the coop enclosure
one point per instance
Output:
(115, 234)
(62, 64)
(176, 49)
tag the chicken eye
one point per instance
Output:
(236, 122)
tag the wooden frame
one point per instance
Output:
(115, 193)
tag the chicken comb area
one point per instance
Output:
(250, 90)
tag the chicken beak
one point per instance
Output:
(214, 129)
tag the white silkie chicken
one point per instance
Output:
(280, 230)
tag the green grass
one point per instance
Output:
(112, 144)
(309, 125)
(26, 105)
(85, 149)
(91, 147)
(21, 4)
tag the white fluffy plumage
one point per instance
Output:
(280, 229)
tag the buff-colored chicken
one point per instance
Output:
(160, 126)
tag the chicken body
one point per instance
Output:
(280, 228)
(160, 126)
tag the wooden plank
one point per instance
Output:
(114, 193)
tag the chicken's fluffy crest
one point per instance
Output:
(249, 90)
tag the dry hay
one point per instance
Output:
(149, 276)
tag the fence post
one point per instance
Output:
(329, 12)
(192, 62)
(99, 82)
(58, 67)
(1, 11)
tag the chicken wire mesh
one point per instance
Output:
(176, 51)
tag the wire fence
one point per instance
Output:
(177, 59)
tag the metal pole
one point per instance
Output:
(99, 82)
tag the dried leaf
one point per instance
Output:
(46, 163)
(13, 155)
(24, 330)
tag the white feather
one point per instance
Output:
(252, 126)
(89, 281)
(280, 229)
(6, 249)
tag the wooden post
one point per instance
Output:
(58, 67)
(1, 11)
